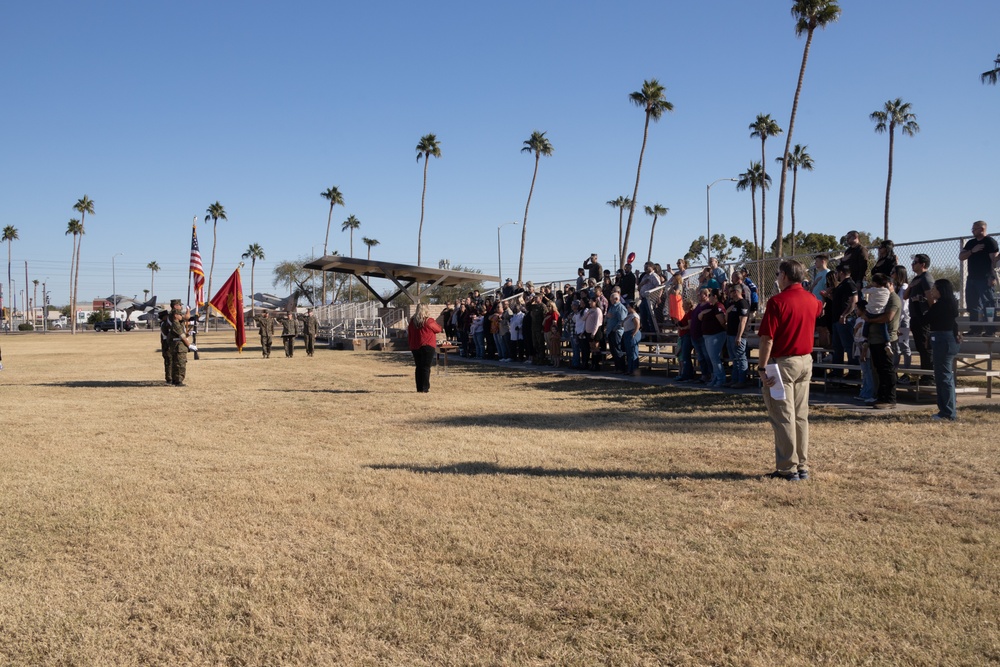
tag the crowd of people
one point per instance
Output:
(602, 318)
(870, 313)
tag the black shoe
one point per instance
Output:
(178, 384)
(803, 475)
(787, 476)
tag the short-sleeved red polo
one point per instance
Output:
(790, 321)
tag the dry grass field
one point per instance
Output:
(318, 511)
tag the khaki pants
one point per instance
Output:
(790, 418)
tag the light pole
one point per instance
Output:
(708, 215)
(114, 297)
(499, 265)
(45, 306)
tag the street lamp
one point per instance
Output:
(708, 215)
(114, 300)
(499, 265)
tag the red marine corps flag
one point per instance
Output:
(229, 302)
(197, 270)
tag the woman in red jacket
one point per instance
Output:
(423, 332)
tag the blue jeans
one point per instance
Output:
(686, 367)
(714, 344)
(615, 346)
(574, 344)
(630, 346)
(843, 343)
(704, 365)
(501, 346)
(867, 379)
(480, 340)
(944, 347)
(738, 355)
(978, 297)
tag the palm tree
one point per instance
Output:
(153, 268)
(83, 206)
(809, 15)
(216, 212)
(351, 224)
(539, 145)
(427, 146)
(621, 204)
(371, 243)
(895, 113)
(991, 76)
(763, 127)
(754, 178)
(656, 211)
(74, 227)
(651, 99)
(9, 236)
(797, 159)
(253, 253)
(334, 196)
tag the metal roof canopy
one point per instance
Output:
(403, 276)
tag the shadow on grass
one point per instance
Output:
(473, 468)
(98, 384)
(327, 391)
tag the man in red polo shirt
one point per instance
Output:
(786, 339)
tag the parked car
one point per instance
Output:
(115, 325)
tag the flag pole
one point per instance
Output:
(194, 330)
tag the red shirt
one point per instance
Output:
(425, 335)
(790, 321)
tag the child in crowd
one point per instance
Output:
(877, 299)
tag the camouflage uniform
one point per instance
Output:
(310, 327)
(165, 345)
(178, 350)
(289, 330)
(265, 325)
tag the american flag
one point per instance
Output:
(197, 270)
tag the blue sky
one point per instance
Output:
(156, 110)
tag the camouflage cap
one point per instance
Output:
(175, 302)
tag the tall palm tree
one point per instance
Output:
(74, 227)
(752, 179)
(539, 145)
(334, 196)
(216, 212)
(153, 268)
(427, 147)
(83, 206)
(371, 243)
(656, 210)
(797, 159)
(763, 127)
(809, 15)
(9, 236)
(351, 224)
(253, 253)
(992, 76)
(652, 99)
(621, 204)
(895, 113)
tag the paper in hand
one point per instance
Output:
(777, 389)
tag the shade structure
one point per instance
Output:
(403, 276)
